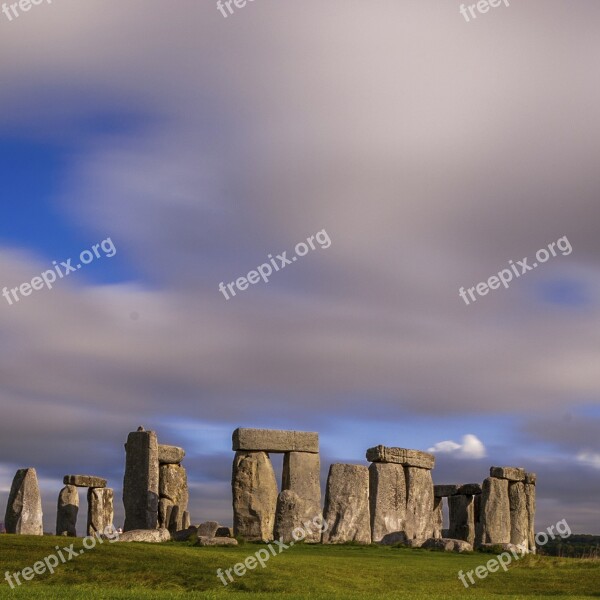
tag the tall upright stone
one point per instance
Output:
(67, 511)
(141, 481)
(419, 504)
(294, 519)
(100, 510)
(347, 505)
(24, 509)
(254, 488)
(494, 518)
(519, 520)
(173, 489)
(438, 517)
(387, 499)
(530, 483)
(462, 518)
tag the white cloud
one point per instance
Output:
(471, 447)
(592, 459)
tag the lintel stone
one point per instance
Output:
(401, 456)
(275, 440)
(510, 473)
(445, 490)
(86, 481)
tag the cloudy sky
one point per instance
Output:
(432, 152)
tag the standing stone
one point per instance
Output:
(462, 518)
(530, 501)
(294, 519)
(140, 484)
(494, 518)
(347, 505)
(302, 475)
(510, 473)
(186, 521)
(66, 511)
(165, 509)
(438, 517)
(24, 509)
(100, 510)
(387, 498)
(519, 519)
(254, 490)
(419, 504)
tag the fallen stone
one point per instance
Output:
(387, 499)
(274, 440)
(510, 473)
(24, 508)
(140, 484)
(443, 491)
(153, 536)
(401, 456)
(419, 503)
(494, 519)
(185, 535)
(67, 511)
(462, 518)
(447, 545)
(499, 548)
(347, 505)
(254, 488)
(208, 529)
(170, 455)
(530, 478)
(86, 481)
(224, 532)
(294, 519)
(216, 541)
(469, 489)
(100, 510)
(530, 501)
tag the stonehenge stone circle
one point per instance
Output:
(254, 489)
(347, 505)
(141, 481)
(67, 511)
(100, 510)
(24, 509)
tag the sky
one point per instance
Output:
(431, 151)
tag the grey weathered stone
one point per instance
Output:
(494, 518)
(100, 510)
(254, 490)
(469, 489)
(438, 517)
(530, 501)
(519, 519)
(510, 473)
(302, 475)
(445, 490)
(170, 455)
(419, 503)
(165, 511)
(401, 456)
(24, 508)
(173, 487)
(274, 440)
(186, 520)
(224, 532)
(530, 478)
(294, 519)
(185, 534)
(67, 510)
(216, 541)
(154, 536)
(462, 518)
(447, 544)
(140, 484)
(347, 505)
(208, 529)
(496, 548)
(387, 498)
(86, 481)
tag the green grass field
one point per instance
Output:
(125, 571)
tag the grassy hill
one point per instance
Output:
(171, 570)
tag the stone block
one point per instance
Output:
(401, 456)
(274, 440)
(294, 519)
(387, 498)
(530, 501)
(462, 518)
(445, 490)
(438, 517)
(419, 503)
(530, 478)
(494, 513)
(100, 510)
(469, 489)
(24, 508)
(86, 481)
(170, 455)
(519, 520)
(208, 529)
(152, 536)
(510, 473)
(67, 511)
